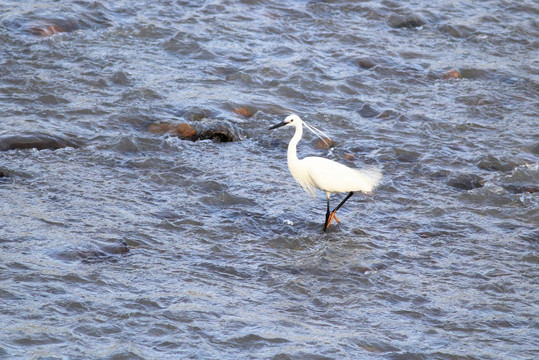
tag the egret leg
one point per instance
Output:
(342, 202)
(326, 224)
(329, 215)
(332, 215)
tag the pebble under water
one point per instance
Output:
(147, 212)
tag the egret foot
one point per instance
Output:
(332, 215)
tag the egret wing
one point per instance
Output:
(331, 176)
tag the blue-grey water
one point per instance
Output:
(119, 241)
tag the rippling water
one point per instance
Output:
(118, 242)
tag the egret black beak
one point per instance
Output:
(277, 126)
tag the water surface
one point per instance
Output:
(121, 243)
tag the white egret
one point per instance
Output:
(315, 172)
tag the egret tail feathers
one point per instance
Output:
(370, 177)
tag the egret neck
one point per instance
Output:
(292, 157)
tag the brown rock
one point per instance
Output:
(451, 74)
(243, 112)
(324, 143)
(46, 30)
(160, 128)
(184, 130)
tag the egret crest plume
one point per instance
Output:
(322, 135)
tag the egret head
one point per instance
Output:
(290, 120)
(294, 120)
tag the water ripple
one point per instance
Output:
(137, 243)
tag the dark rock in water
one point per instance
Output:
(390, 114)
(520, 189)
(366, 63)
(35, 141)
(216, 130)
(378, 266)
(120, 78)
(116, 249)
(361, 269)
(535, 149)
(368, 111)
(90, 254)
(474, 73)
(104, 251)
(50, 99)
(457, 31)
(440, 174)
(432, 233)
(466, 182)
(532, 237)
(199, 115)
(402, 21)
(221, 133)
(407, 156)
(491, 163)
(44, 28)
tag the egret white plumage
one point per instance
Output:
(315, 172)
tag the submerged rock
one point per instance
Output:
(120, 78)
(45, 28)
(405, 21)
(243, 111)
(368, 111)
(182, 130)
(491, 163)
(160, 128)
(199, 115)
(407, 156)
(35, 141)
(104, 251)
(520, 189)
(466, 182)
(366, 63)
